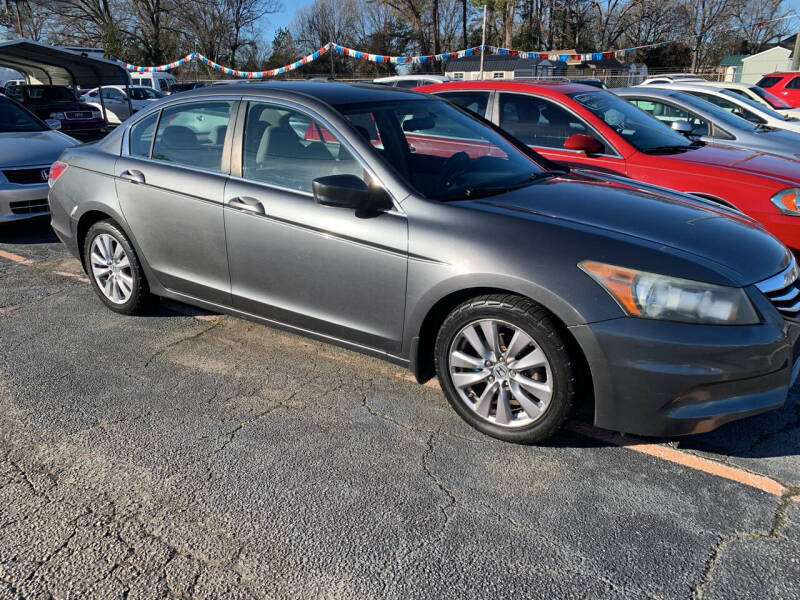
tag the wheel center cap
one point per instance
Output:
(500, 371)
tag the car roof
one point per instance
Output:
(556, 87)
(647, 90)
(330, 92)
(781, 74)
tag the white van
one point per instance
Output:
(161, 80)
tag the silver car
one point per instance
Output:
(711, 123)
(27, 149)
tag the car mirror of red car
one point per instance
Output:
(583, 143)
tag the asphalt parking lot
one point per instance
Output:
(191, 455)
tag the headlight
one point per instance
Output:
(653, 296)
(58, 116)
(788, 201)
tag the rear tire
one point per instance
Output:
(114, 269)
(505, 369)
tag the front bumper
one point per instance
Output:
(661, 378)
(20, 202)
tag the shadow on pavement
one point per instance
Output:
(33, 231)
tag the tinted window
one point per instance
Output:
(668, 113)
(193, 134)
(794, 84)
(289, 149)
(539, 122)
(49, 94)
(408, 84)
(768, 81)
(635, 126)
(474, 101)
(141, 136)
(13, 118)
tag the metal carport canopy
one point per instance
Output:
(49, 65)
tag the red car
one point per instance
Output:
(784, 85)
(585, 127)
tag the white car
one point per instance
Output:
(115, 99)
(671, 78)
(757, 94)
(411, 81)
(741, 107)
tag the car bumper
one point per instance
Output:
(662, 379)
(20, 202)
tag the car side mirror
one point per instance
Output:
(682, 127)
(349, 191)
(583, 143)
(53, 124)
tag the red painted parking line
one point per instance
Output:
(759, 482)
(16, 258)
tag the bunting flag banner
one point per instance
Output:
(625, 53)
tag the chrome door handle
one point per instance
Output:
(133, 176)
(247, 203)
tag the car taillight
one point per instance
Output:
(56, 169)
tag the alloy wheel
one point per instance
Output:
(501, 373)
(111, 268)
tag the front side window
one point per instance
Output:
(639, 129)
(113, 94)
(287, 148)
(193, 134)
(141, 136)
(15, 119)
(668, 113)
(440, 151)
(472, 101)
(539, 122)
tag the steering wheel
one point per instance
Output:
(455, 165)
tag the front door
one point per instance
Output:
(170, 187)
(324, 269)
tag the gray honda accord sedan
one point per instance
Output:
(399, 225)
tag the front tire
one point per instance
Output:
(504, 367)
(114, 269)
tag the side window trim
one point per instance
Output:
(598, 135)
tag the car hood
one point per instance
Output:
(743, 160)
(731, 240)
(32, 147)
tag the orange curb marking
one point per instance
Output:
(759, 482)
(16, 258)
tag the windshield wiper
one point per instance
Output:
(482, 192)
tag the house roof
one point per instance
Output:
(493, 62)
(732, 60)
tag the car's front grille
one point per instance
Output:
(27, 176)
(28, 207)
(79, 114)
(783, 290)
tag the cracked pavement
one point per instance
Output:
(171, 456)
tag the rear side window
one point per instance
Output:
(409, 83)
(193, 134)
(472, 101)
(141, 136)
(768, 81)
(288, 149)
(794, 84)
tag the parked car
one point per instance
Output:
(671, 78)
(598, 83)
(741, 107)
(185, 86)
(709, 122)
(524, 285)
(160, 80)
(28, 146)
(785, 85)
(756, 94)
(410, 81)
(115, 98)
(61, 103)
(584, 127)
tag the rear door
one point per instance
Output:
(170, 183)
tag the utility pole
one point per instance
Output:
(464, 20)
(796, 53)
(483, 41)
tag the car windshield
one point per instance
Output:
(145, 93)
(756, 106)
(641, 130)
(720, 115)
(771, 98)
(441, 151)
(49, 94)
(15, 119)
